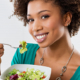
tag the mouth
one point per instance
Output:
(41, 37)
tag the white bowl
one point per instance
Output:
(23, 67)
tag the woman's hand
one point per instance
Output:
(1, 50)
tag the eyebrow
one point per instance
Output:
(39, 12)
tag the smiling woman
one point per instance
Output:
(51, 23)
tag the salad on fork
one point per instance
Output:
(22, 47)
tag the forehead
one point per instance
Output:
(37, 5)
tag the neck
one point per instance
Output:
(60, 49)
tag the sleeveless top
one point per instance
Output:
(28, 57)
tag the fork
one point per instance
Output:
(10, 45)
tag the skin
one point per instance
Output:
(1, 54)
(58, 43)
(1, 51)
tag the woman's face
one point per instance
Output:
(44, 22)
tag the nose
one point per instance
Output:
(37, 26)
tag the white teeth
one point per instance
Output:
(39, 37)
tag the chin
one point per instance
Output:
(43, 45)
(47, 43)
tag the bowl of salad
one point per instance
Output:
(26, 72)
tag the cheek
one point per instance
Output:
(52, 24)
(58, 33)
(55, 28)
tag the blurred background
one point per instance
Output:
(12, 32)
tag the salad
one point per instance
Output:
(22, 47)
(29, 74)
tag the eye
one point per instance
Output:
(29, 20)
(45, 16)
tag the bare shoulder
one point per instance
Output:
(74, 64)
(76, 57)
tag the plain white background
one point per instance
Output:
(12, 32)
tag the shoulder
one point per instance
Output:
(75, 65)
(76, 57)
(76, 75)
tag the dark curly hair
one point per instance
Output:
(73, 6)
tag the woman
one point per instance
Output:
(51, 23)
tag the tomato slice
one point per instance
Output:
(24, 72)
(43, 77)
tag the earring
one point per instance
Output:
(68, 24)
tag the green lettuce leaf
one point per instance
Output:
(23, 48)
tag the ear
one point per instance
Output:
(67, 19)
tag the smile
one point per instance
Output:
(41, 38)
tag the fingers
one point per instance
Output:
(1, 46)
(1, 50)
(0, 60)
(1, 54)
